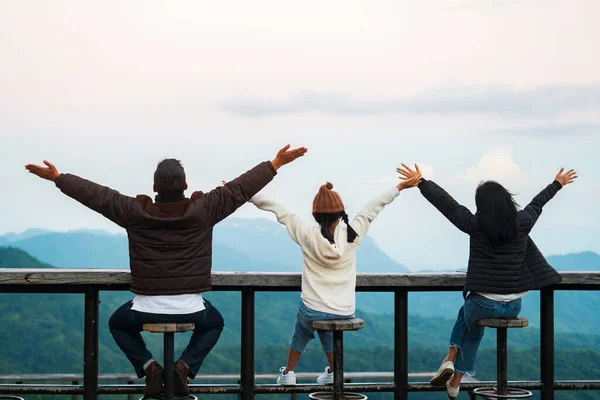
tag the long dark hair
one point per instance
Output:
(496, 212)
(326, 219)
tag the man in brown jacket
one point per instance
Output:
(170, 253)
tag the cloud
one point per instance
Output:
(483, 4)
(497, 101)
(552, 130)
(497, 164)
(426, 170)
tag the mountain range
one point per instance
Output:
(264, 245)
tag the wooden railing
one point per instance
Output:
(91, 282)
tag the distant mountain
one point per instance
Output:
(267, 241)
(12, 237)
(263, 245)
(585, 261)
(77, 249)
(11, 257)
(239, 244)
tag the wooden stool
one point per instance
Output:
(338, 326)
(502, 390)
(169, 350)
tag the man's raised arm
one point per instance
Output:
(101, 199)
(224, 200)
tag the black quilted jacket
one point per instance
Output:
(512, 267)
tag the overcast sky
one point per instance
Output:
(472, 89)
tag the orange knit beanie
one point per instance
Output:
(327, 201)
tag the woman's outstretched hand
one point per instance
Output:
(564, 178)
(408, 177)
(49, 172)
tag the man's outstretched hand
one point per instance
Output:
(286, 156)
(49, 172)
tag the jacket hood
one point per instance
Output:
(330, 253)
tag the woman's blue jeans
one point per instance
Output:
(466, 334)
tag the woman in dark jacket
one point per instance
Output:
(504, 263)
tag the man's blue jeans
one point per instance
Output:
(126, 324)
(466, 334)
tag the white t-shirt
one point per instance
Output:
(503, 298)
(173, 304)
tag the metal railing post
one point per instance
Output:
(547, 342)
(75, 397)
(247, 358)
(401, 344)
(90, 343)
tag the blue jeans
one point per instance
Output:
(126, 324)
(466, 334)
(304, 332)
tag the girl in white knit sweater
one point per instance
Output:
(329, 266)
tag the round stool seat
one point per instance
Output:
(329, 396)
(171, 327)
(504, 322)
(350, 324)
(11, 397)
(512, 393)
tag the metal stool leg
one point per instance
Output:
(501, 357)
(338, 365)
(169, 349)
(502, 391)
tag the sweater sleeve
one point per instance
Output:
(362, 220)
(224, 200)
(298, 230)
(458, 214)
(104, 200)
(534, 209)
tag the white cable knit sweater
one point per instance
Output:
(329, 270)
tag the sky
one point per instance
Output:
(470, 89)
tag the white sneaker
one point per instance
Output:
(326, 378)
(444, 373)
(287, 379)
(452, 392)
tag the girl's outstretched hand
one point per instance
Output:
(408, 177)
(564, 178)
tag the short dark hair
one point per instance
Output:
(169, 178)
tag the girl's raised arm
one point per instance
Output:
(458, 214)
(371, 210)
(298, 230)
(534, 209)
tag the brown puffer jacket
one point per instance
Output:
(170, 244)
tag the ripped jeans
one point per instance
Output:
(466, 334)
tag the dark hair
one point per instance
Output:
(326, 219)
(496, 212)
(169, 180)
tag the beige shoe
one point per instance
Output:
(452, 392)
(444, 373)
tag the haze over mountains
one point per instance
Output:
(264, 245)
